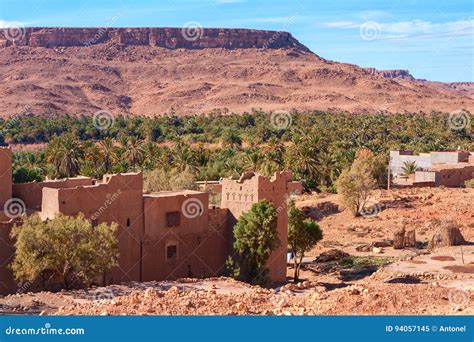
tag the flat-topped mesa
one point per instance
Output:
(166, 37)
(395, 73)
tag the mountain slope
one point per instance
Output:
(156, 71)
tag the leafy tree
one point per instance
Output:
(255, 237)
(303, 235)
(24, 175)
(65, 250)
(355, 185)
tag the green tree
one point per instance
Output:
(24, 175)
(65, 250)
(355, 185)
(172, 180)
(108, 152)
(303, 235)
(231, 139)
(409, 168)
(255, 237)
(65, 153)
(133, 151)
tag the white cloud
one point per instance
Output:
(427, 27)
(338, 24)
(10, 24)
(414, 28)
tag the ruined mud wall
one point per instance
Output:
(32, 193)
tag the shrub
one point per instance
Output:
(356, 184)
(173, 180)
(303, 234)
(65, 250)
(255, 237)
(469, 183)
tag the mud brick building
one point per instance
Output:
(449, 168)
(165, 235)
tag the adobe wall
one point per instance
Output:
(397, 161)
(32, 193)
(449, 157)
(276, 190)
(118, 199)
(425, 176)
(5, 175)
(214, 187)
(7, 283)
(201, 251)
(239, 196)
(454, 177)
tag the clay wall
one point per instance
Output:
(119, 199)
(239, 196)
(5, 175)
(32, 193)
(179, 240)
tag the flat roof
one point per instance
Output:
(173, 193)
(441, 166)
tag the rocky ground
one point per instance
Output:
(353, 270)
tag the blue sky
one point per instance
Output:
(432, 39)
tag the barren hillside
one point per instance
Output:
(154, 71)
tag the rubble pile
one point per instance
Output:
(293, 299)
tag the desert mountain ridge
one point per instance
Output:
(153, 71)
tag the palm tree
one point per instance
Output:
(253, 159)
(231, 139)
(65, 153)
(301, 159)
(134, 152)
(328, 169)
(409, 168)
(35, 164)
(109, 153)
(184, 158)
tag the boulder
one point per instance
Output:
(447, 234)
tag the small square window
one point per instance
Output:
(171, 252)
(172, 219)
